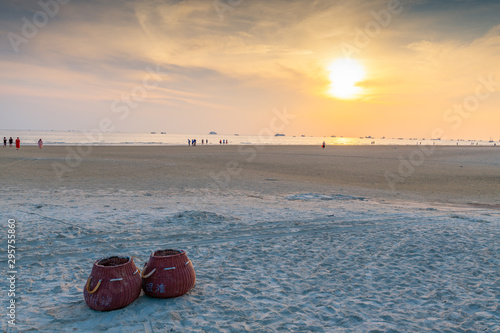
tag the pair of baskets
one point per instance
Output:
(115, 282)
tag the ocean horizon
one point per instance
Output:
(74, 137)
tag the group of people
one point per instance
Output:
(192, 142)
(18, 142)
(11, 141)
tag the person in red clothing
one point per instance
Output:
(18, 143)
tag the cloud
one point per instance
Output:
(260, 54)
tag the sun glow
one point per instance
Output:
(344, 75)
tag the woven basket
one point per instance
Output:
(114, 283)
(168, 273)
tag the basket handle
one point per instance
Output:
(149, 274)
(88, 285)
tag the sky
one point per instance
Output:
(426, 69)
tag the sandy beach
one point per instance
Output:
(282, 238)
(463, 175)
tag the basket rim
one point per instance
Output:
(129, 260)
(179, 253)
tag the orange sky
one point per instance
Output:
(200, 66)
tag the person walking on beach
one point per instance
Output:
(40, 144)
(10, 141)
(189, 142)
(18, 143)
(4, 141)
(323, 145)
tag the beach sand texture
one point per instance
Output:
(282, 238)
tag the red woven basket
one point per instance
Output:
(114, 283)
(168, 273)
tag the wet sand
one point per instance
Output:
(458, 175)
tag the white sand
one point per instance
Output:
(293, 240)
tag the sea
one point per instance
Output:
(72, 137)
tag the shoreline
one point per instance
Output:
(485, 145)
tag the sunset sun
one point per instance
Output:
(344, 76)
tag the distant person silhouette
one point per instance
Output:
(40, 144)
(323, 145)
(4, 142)
(10, 141)
(18, 143)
